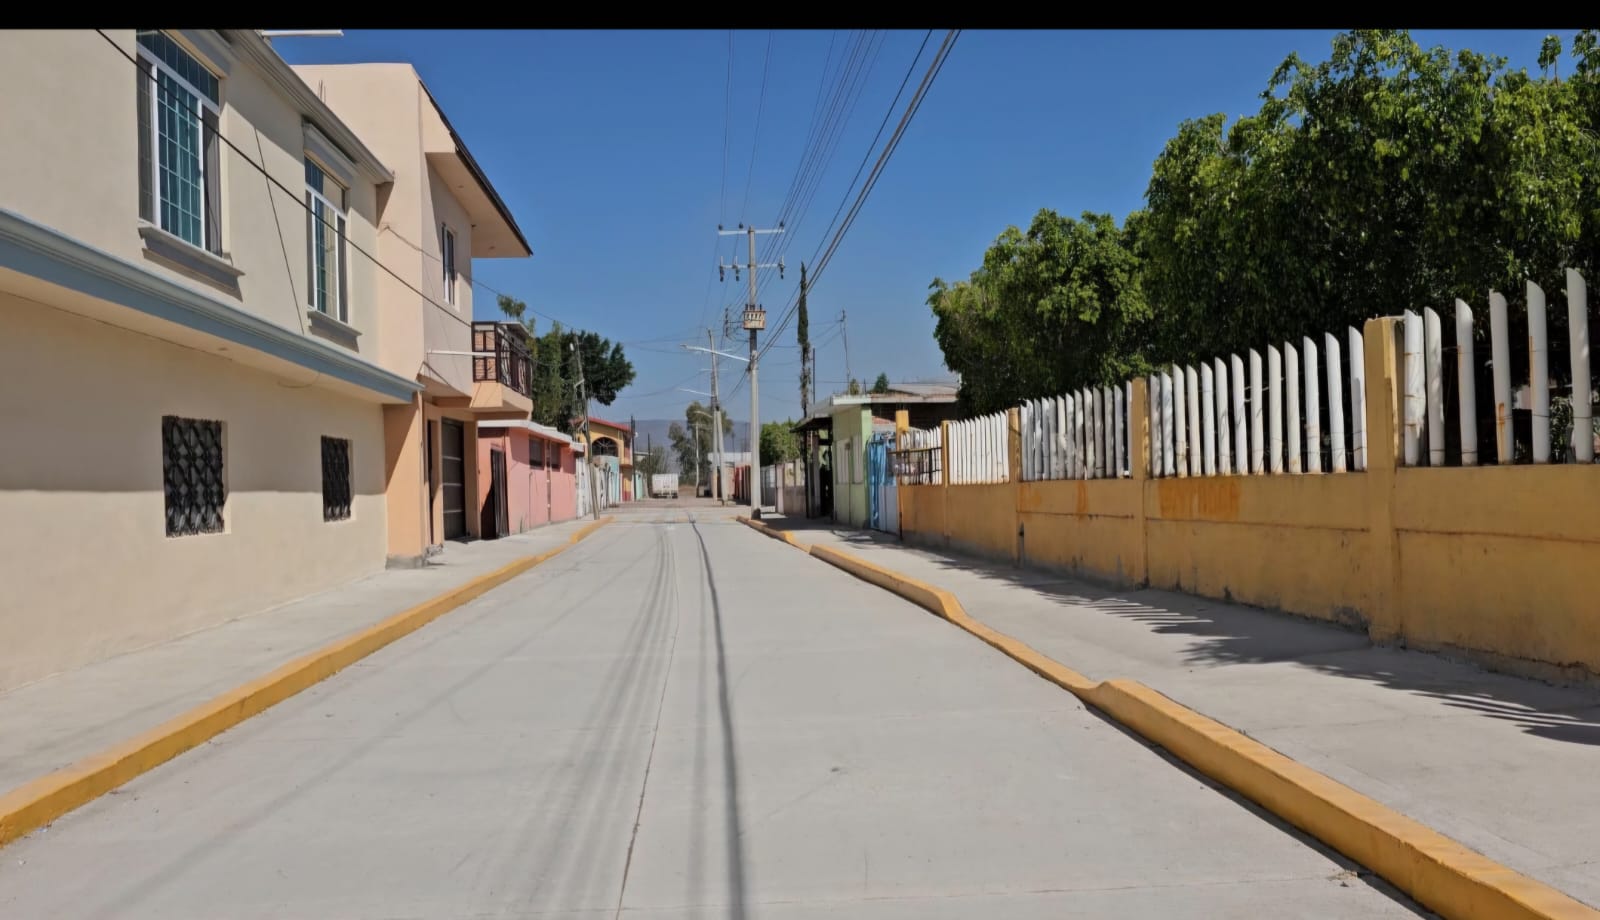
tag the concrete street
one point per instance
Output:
(678, 718)
(1499, 763)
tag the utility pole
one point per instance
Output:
(716, 422)
(755, 319)
(844, 335)
(588, 440)
(694, 432)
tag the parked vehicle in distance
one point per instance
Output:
(664, 485)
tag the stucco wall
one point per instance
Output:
(851, 429)
(71, 160)
(81, 492)
(564, 484)
(514, 444)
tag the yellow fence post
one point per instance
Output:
(1383, 452)
(1139, 469)
(944, 480)
(1014, 477)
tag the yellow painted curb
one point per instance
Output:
(1440, 873)
(37, 803)
(783, 535)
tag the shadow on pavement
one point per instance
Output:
(1232, 633)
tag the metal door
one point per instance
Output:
(883, 506)
(453, 478)
(496, 513)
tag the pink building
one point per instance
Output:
(527, 477)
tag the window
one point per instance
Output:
(447, 255)
(191, 463)
(335, 479)
(325, 250)
(536, 453)
(552, 457)
(179, 162)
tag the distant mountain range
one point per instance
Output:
(654, 431)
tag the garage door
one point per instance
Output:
(453, 478)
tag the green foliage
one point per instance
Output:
(1057, 307)
(1387, 177)
(691, 439)
(854, 389)
(881, 385)
(555, 374)
(779, 443)
(651, 462)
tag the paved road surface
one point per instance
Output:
(677, 720)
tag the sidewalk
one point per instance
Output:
(1505, 765)
(53, 722)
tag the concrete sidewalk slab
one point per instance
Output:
(1499, 763)
(54, 722)
(679, 721)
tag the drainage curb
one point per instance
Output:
(1440, 873)
(40, 801)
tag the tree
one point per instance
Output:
(651, 462)
(854, 389)
(779, 443)
(881, 385)
(691, 439)
(803, 337)
(606, 368)
(1387, 177)
(1056, 307)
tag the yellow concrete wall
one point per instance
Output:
(1504, 560)
(1083, 527)
(1289, 543)
(1499, 563)
(81, 491)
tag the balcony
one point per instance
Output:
(502, 369)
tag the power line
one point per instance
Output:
(847, 95)
(820, 128)
(294, 196)
(722, 191)
(755, 141)
(881, 125)
(877, 170)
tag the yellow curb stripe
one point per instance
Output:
(1440, 873)
(783, 535)
(40, 801)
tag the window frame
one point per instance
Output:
(341, 288)
(447, 256)
(208, 118)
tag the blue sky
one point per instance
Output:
(608, 148)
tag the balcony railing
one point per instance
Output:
(500, 355)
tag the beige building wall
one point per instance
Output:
(70, 151)
(428, 335)
(91, 572)
(388, 107)
(137, 327)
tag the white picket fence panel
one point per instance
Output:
(978, 451)
(1306, 414)
(1424, 441)
(1224, 417)
(1077, 435)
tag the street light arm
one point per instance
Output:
(715, 352)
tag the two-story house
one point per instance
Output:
(439, 213)
(194, 401)
(236, 342)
